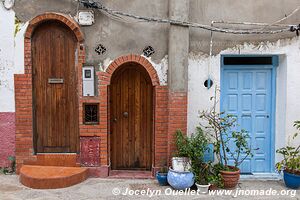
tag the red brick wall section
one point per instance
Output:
(161, 126)
(23, 98)
(177, 118)
(7, 137)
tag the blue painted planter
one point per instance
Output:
(180, 180)
(291, 180)
(162, 178)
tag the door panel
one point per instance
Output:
(246, 93)
(55, 104)
(131, 119)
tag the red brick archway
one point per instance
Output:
(23, 86)
(160, 106)
(54, 16)
(136, 59)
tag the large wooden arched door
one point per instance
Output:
(55, 101)
(131, 107)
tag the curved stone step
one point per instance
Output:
(51, 177)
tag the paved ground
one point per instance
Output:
(95, 188)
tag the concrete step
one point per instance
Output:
(51, 177)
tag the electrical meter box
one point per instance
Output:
(88, 81)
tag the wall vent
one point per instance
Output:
(91, 115)
(100, 49)
(148, 51)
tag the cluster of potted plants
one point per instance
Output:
(189, 166)
(230, 147)
(290, 164)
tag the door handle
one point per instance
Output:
(115, 120)
(125, 114)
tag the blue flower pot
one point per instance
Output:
(162, 178)
(291, 180)
(180, 180)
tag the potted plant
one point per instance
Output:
(198, 144)
(181, 177)
(220, 127)
(181, 161)
(290, 164)
(161, 176)
(215, 181)
(180, 180)
(202, 179)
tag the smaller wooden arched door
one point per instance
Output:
(55, 97)
(131, 108)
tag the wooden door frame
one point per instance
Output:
(273, 67)
(105, 81)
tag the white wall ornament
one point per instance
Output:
(86, 17)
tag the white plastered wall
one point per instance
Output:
(7, 21)
(287, 85)
(11, 57)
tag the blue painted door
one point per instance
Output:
(246, 93)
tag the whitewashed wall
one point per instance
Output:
(7, 20)
(287, 84)
(11, 57)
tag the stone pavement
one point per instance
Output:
(96, 188)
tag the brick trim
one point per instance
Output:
(23, 86)
(160, 108)
(67, 20)
(131, 58)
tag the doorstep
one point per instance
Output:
(51, 177)
(130, 174)
(261, 176)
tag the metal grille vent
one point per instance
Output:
(148, 51)
(91, 113)
(100, 49)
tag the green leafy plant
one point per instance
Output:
(18, 24)
(181, 142)
(216, 179)
(194, 147)
(164, 167)
(163, 170)
(12, 168)
(222, 128)
(291, 156)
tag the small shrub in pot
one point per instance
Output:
(161, 176)
(290, 164)
(220, 127)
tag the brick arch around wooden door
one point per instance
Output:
(131, 118)
(24, 89)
